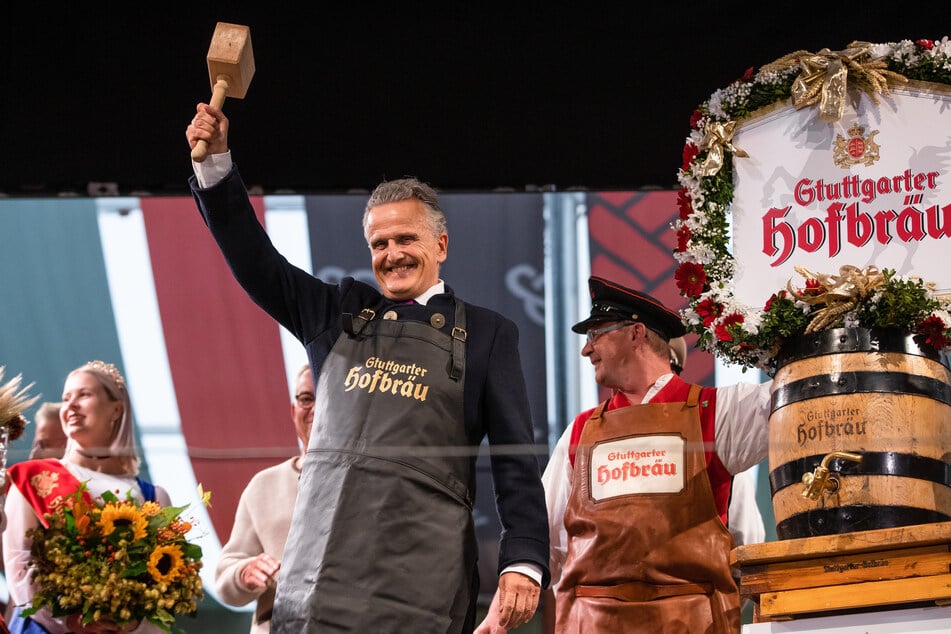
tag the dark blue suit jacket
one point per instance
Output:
(496, 402)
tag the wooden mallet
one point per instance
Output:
(230, 69)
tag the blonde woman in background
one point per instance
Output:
(100, 451)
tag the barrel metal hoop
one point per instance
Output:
(860, 383)
(874, 463)
(847, 519)
(842, 340)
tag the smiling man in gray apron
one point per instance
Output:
(409, 381)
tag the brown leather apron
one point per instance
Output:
(382, 538)
(647, 551)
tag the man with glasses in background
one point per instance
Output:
(250, 560)
(638, 487)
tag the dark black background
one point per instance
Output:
(466, 97)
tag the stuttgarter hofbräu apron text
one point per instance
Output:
(382, 538)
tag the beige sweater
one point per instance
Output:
(260, 526)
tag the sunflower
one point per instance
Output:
(123, 516)
(166, 564)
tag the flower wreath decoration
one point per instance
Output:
(752, 336)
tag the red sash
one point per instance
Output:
(46, 484)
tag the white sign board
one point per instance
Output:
(872, 189)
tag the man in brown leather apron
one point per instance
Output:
(409, 381)
(647, 550)
(638, 487)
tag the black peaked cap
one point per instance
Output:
(612, 302)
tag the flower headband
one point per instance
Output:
(108, 369)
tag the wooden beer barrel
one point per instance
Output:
(883, 394)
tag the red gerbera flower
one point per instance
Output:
(812, 287)
(933, 329)
(721, 330)
(684, 203)
(709, 310)
(925, 44)
(690, 153)
(695, 118)
(683, 237)
(772, 298)
(690, 278)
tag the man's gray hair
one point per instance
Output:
(407, 189)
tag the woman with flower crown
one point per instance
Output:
(101, 454)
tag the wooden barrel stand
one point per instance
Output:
(860, 571)
(860, 474)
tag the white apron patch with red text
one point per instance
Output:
(637, 465)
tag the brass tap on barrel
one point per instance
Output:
(821, 479)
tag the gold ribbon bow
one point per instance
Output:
(838, 293)
(717, 141)
(825, 76)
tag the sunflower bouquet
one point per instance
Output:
(117, 559)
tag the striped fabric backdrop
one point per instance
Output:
(140, 283)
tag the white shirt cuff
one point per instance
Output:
(212, 170)
(529, 570)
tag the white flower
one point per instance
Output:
(695, 137)
(702, 254)
(697, 221)
(942, 49)
(882, 50)
(690, 316)
(905, 51)
(751, 321)
(944, 316)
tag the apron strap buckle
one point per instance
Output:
(459, 335)
(353, 326)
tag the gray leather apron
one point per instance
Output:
(382, 538)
